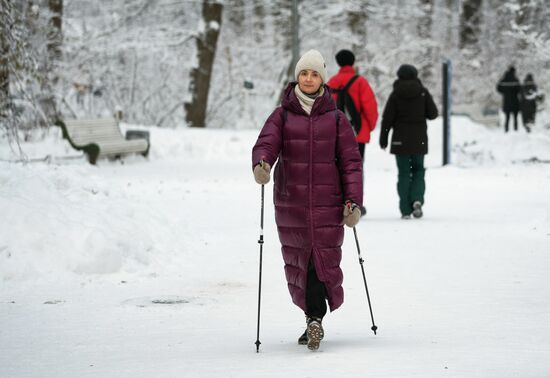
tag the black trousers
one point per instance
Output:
(316, 294)
(362, 150)
(507, 120)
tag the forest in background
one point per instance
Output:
(176, 63)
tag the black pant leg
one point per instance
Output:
(506, 122)
(315, 294)
(516, 120)
(362, 150)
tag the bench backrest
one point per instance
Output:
(84, 131)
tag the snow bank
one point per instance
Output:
(149, 268)
(64, 216)
(60, 219)
(474, 144)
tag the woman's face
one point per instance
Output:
(309, 81)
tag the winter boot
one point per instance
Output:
(302, 340)
(363, 211)
(315, 333)
(417, 209)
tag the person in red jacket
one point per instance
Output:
(362, 95)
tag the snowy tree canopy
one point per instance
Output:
(137, 55)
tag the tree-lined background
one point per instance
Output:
(176, 63)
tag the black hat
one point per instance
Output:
(407, 72)
(345, 58)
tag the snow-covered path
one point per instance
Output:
(150, 269)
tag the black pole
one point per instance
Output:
(374, 327)
(261, 242)
(447, 112)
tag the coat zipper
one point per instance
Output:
(311, 181)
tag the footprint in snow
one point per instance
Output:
(55, 301)
(165, 300)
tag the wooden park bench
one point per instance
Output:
(102, 138)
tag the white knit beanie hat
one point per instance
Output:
(312, 60)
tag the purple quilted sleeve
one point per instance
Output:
(270, 140)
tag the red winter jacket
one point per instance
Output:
(363, 99)
(318, 168)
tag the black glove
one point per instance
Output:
(383, 141)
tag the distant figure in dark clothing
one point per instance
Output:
(528, 102)
(509, 87)
(406, 111)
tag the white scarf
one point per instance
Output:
(305, 100)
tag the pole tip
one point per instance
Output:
(374, 328)
(257, 346)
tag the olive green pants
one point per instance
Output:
(410, 181)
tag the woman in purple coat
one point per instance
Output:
(317, 189)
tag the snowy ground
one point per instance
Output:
(149, 268)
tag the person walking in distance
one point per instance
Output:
(406, 111)
(529, 96)
(354, 96)
(317, 189)
(509, 88)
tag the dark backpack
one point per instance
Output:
(345, 103)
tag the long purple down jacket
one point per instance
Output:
(318, 169)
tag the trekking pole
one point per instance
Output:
(261, 242)
(374, 328)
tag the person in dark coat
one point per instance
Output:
(318, 187)
(509, 87)
(528, 102)
(408, 107)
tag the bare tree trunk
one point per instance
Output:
(523, 20)
(281, 13)
(259, 15)
(357, 22)
(55, 38)
(4, 56)
(55, 41)
(424, 29)
(201, 75)
(236, 15)
(449, 35)
(470, 20)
